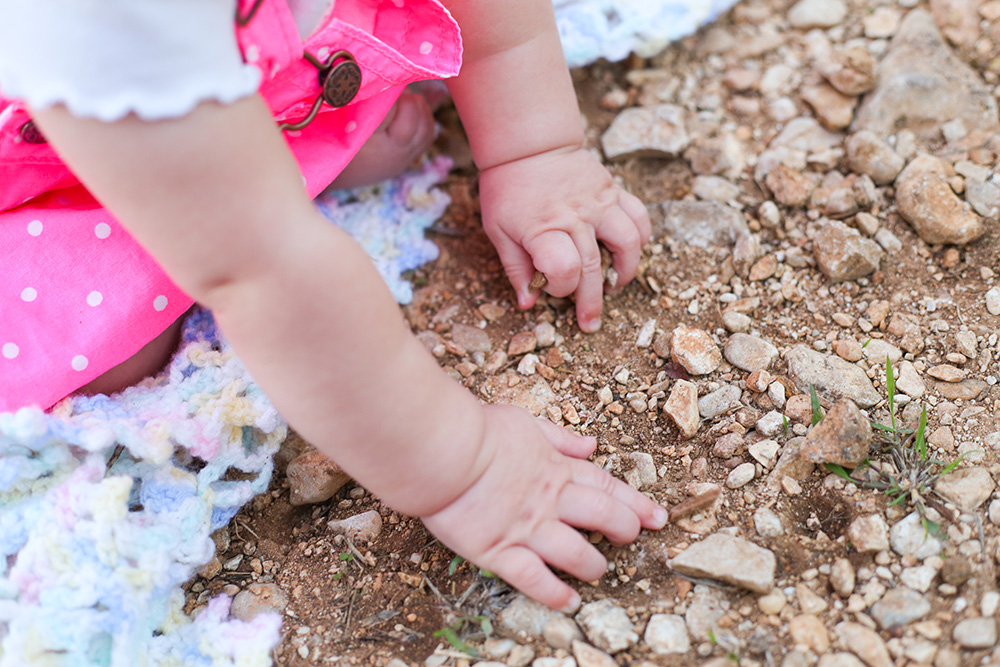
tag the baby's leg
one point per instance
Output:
(148, 361)
(404, 135)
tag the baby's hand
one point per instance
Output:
(521, 513)
(547, 212)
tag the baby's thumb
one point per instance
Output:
(566, 442)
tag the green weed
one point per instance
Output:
(462, 628)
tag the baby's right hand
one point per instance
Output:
(521, 513)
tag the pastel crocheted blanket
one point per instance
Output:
(107, 504)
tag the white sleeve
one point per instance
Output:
(107, 58)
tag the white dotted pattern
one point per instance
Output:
(426, 48)
(351, 126)
(80, 363)
(102, 230)
(10, 350)
(159, 303)
(94, 299)
(35, 227)
(29, 294)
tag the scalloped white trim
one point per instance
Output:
(148, 103)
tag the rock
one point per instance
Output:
(705, 224)
(807, 14)
(877, 351)
(809, 631)
(657, 131)
(607, 626)
(258, 599)
(525, 616)
(363, 527)
(851, 71)
(682, 408)
(899, 607)
(767, 523)
(790, 464)
(695, 350)
(740, 323)
(771, 424)
(864, 643)
(741, 475)
(968, 488)
(923, 84)
(984, 198)
(533, 394)
(471, 339)
(869, 154)
(838, 660)
(848, 349)
(843, 254)
(832, 377)
(790, 188)
(966, 390)
(707, 606)
(869, 533)
(926, 201)
(561, 632)
(764, 452)
(588, 656)
(714, 188)
(918, 578)
(834, 109)
(772, 603)
(910, 537)
(666, 634)
(992, 299)
(976, 633)
(843, 437)
(522, 343)
(723, 399)
(957, 570)
(313, 478)
(809, 602)
(750, 353)
(643, 469)
(729, 559)
(646, 333)
(842, 577)
(908, 380)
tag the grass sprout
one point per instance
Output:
(903, 469)
(463, 628)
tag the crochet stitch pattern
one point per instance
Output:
(92, 558)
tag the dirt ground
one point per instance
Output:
(367, 603)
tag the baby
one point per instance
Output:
(212, 192)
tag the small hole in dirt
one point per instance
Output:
(829, 515)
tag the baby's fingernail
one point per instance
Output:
(660, 517)
(594, 325)
(572, 605)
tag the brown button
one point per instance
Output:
(341, 82)
(30, 134)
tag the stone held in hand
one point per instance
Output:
(843, 437)
(314, 478)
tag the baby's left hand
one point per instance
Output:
(547, 212)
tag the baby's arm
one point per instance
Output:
(217, 198)
(546, 200)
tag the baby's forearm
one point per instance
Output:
(222, 208)
(514, 93)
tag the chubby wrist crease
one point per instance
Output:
(555, 150)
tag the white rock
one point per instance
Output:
(808, 14)
(976, 632)
(869, 533)
(607, 626)
(910, 537)
(741, 475)
(667, 634)
(993, 301)
(918, 578)
(646, 333)
(365, 526)
(729, 559)
(771, 424)
(767, 523)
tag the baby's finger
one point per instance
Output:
(566, 442)
(619, 234)
(525, 571)
(555, 254)
(518, 267)
(639, 214)
(650, 514)
(590, 290)
(590, 508)
(563, 547)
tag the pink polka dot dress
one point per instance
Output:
(78, 295)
